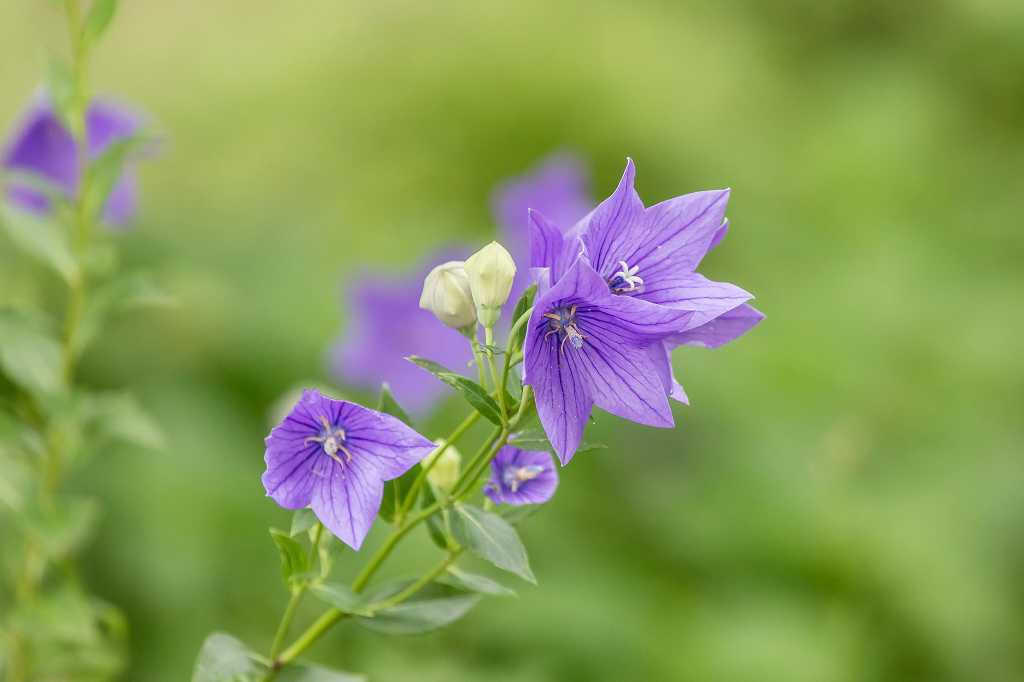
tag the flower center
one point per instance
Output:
(626, 281)
(562, 323)
(513, 476)
(332, 440)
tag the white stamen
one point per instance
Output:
(629, 277)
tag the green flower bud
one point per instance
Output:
(445, 473)
(491, 271)
(446, 293)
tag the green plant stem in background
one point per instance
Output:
(499, 385)
(297, 594)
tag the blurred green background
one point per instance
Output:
(844, 499)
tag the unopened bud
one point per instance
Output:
(491, 271)
(446, 293)
(445, 472)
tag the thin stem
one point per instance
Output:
(481, 454)
(419, 584)
(523, 319)
(455, 435)
(478, 357)
(306, 640)
(296, 598)
(499, 385)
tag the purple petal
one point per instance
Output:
(612, 229)
(563, 403)
(394, 447)
(625, 380)
(721, 330)
(290, 478)
(550, 248)
(123, 202)
(691, 291)
(719, 236)
(347, 501)
(107, 123)
(661, 356)
(677, 234)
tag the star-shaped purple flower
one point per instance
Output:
(586, 345)
(651, 254)
(558, 187)
(43, 147)
(335, 456)
(386, 325)
(521, 477)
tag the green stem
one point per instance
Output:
(499, 385)
(478, 357)
(455, 435)
(419, 584)
(296, 598)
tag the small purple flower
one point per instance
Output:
(335, 456)
(586, 345)
(558, 187)
(521, 477)
(43, 147)
(387, 324)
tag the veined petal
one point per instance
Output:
(616, 223)
(289, 478)
(694, 292)
(624, 380)
(550, 248)
(719, 235)
(539, 485)
(392, 447)
(348, 499)
(661, 356)
(678, 233)
(563, 403)
(721, 330)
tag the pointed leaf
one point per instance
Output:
(522, 305)
(535, 439)
(433, 607)
(341, 597)
(29, 355)
(471, 582)
(41, 239)
(492, 538)
(224, 658)
(100, 15)
(307, 672)
(302, 520)
(475, 394)
(294, 562)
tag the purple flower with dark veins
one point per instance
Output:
(43, 147)
(386, 325)
(558, 187)
(335, 456)
(651, 254)
(587, 346)
(521, 477)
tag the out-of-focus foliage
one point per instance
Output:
(842, 499)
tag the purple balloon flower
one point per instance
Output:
(521, 477)
(558, 187)
(43, 147)
(335, 456)
(651, 254)
(387, 324)
(585, 346)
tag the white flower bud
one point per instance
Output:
(445, 473)
(446, 293)
(491, 271)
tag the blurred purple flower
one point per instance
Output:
(386, 325)
(651, 254)
(43, 147)
(558, 187)
(586, 346)
(335, 456)
(521, 477)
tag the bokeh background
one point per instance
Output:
(844, 499)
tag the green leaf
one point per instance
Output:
(535, 439)
(433, 607)
(224, 658)
(302, 520)
(492, 538)
(388, 405)
(62, 530)
(41, 239)
(315, 673)
(473, 392)
(341, 597)
(471, 582)
(436, 521)
(100, 15)
(29, 356)
(103, 173)
(522, 305)
(294, 561)
(519, 513)
(119, 415)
